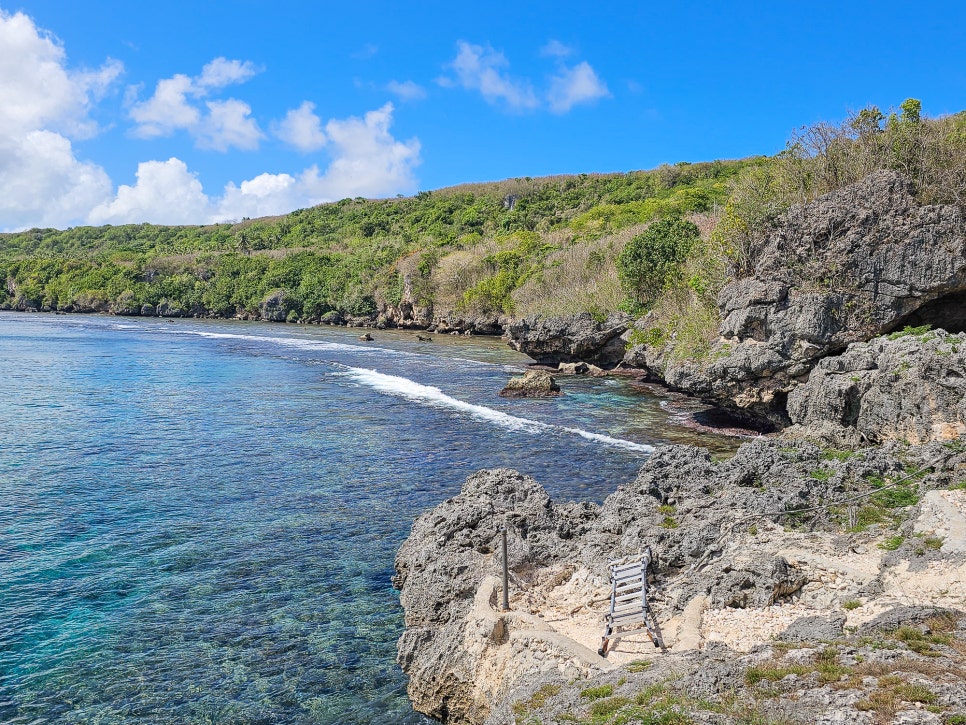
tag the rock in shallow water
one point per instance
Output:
(532, 384)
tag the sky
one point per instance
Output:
(190, 113)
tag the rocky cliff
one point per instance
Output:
(857, 263)
(783, 538)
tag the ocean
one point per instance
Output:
(198, 519)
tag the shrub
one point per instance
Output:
(652, 260)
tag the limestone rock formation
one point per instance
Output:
(440, 568)
(577, 338)
(532, 384)
(704, 519)
(859, 262)
(905, 387)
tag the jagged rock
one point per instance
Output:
(532, 384)
(577, 338)
(814, 629)
(366, 338)
(126, 305)
(276, 306)
(147, 310)
(446, 323)
(166, 309)
(441, 565)
(690, 509)
(577, 368)
(911, 387)
(332, 318)
(854, 264)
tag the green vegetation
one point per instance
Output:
(536, 701)
(524, 245)
(596, 693)
(851, 604)
(663, 241)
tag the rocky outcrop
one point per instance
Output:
(854, 264)
(276, 306)
(532, 384)
(439, 570)
(577, 338)
(732, 537)
(908, 387)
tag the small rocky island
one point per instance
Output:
(819, 575)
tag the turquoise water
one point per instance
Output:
(198, 519)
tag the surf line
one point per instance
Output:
(434, 397)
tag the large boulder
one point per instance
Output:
(854, 264)
(276, 306)
(576, 338)
(904, 387)
(532, 384)
(440, 567)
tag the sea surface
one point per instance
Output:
(198, 519)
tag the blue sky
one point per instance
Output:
(178, 112)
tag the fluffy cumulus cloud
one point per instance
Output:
(42, 106)
(302, 129)
(178, 105)
(484, 70)
(45, 106)
(165, 191)
(573, 86)
(366, 160)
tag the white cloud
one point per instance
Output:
(42, 103)
(43, 184)
(165, 192)
(301, 128)
(572, 86)
(366, 161)
(167, 110)
(222, 72)
(480, 69)
(406, 90)
(36, 89)
(227, 123)
(556, 49)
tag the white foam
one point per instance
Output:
(298, 342)
(436, 398)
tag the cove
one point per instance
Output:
(198, 519)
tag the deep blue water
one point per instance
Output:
(198, 519)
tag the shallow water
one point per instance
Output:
(198, 519)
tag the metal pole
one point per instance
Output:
(506, 573)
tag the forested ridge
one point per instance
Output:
(663, 241)
(469, 246)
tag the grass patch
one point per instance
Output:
(822, 474)
(597, 693)
(669, 523)
(536, 701)
(892, 543)
(908, 331)
(836, 454)
(851, 604)
(639, 665)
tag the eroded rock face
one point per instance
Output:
(532, 384)
(577, 338)
(440, 567)
(854, 264)
(909, 388)
(690, 509)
